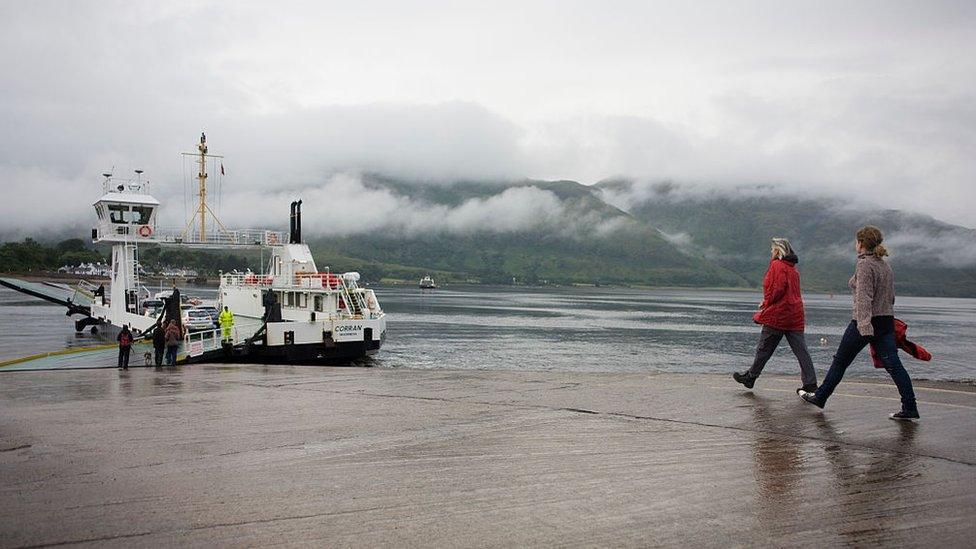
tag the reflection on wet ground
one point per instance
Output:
(865, 495)
(777, 466)
(258, 454)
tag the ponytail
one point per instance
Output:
(880, 251)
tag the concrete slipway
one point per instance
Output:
(262, 455)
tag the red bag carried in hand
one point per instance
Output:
(901, 340)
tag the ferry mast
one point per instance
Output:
(202, 209)
(202, 178)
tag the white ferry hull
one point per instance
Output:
(310, 343)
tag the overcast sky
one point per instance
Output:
(876, 100)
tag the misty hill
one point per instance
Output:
(579, 238)
(617, 232)
(733, 228)
(614, 232)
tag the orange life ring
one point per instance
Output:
(145, 231)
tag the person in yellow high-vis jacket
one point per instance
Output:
(226, 320)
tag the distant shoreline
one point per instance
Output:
(51, 276)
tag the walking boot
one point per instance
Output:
(808, 388)
(905, 415)
(812, 399)
(745, 379)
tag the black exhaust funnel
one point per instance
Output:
(298, 222)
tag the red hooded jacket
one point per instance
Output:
(782, 306)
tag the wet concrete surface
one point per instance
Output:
(256, 455)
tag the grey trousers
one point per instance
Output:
(769, 339)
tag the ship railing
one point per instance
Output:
(325, 280)
(116, 184)
(84, 291)
(220, 237)
(86, 288)
(124, 230)
(199, 342)
(315, 281)
(352, 298)
(245, 279)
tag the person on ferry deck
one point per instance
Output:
(781, 314)
(226, 320)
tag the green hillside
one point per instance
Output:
(733, 228)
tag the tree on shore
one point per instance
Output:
(31, 255)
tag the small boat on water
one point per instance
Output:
(290, 313)
(427, 283)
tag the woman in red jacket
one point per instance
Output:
(781, 314)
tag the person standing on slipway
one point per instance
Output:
(173, 336)
(125, 346)
(781, 314)
(159, 344)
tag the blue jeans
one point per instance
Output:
(884, 345)
(171, 354)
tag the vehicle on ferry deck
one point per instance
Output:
(212, 311)
(197, 320)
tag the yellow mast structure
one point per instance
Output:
(202, 208)
(202, 178)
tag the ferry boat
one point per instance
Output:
(427, 283)
(291, 313)
(304, 315)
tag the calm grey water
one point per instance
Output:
(584, 329)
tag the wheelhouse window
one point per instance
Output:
(303, 300)
(317, 300)
(141, 214)
(118, 213)
(290, 299)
